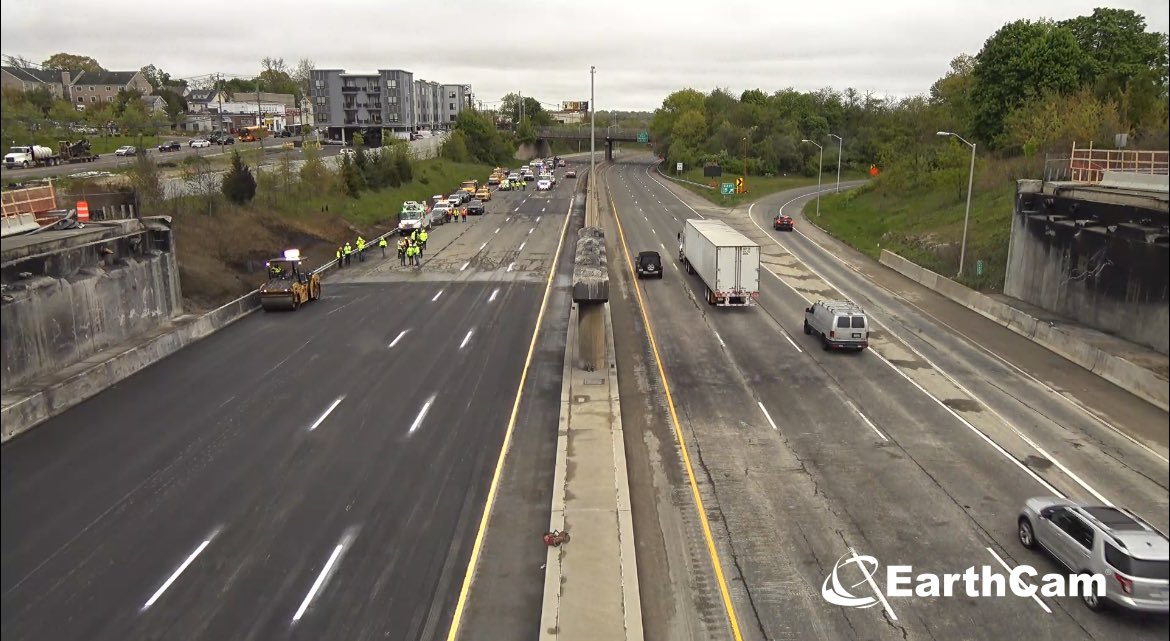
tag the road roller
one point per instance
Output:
(290, 283)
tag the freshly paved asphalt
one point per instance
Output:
(225, 442)
(859, 457)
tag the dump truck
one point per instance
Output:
(726, 261)
(30, 156)
(290, 283)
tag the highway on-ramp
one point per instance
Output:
(805, 458)
(311, 475)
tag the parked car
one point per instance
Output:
(170, 145)
(227, 140)
(126, 150)
(438, 215)
(543, 185)
(1131, 555)
(570, 173)
(476, 208)
(649, 265)
(455, 200)
(783, 222)
(348, 151)
(199, 142)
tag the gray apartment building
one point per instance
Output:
(390, 100)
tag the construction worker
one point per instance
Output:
(347, 251)
(412, 254)
(414, 236)
(402, 246)
(523, 184)
(361, 249)
(275, 271)
(339, 258)
(422, 239)
(464, 213)
(382, 245)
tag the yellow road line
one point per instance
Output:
(476, 547)
(732, 619)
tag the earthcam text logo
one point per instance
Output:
(863, 591)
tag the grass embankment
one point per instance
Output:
(758, 186)
(221, 255)
(925, 225)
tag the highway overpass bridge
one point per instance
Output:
(608, 135)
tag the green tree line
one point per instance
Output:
(1036, 86)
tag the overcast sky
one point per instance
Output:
(642, 50)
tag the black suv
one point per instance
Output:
(476, 208)
(649, 265)
(172, 145)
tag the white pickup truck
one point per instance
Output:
(727, 261)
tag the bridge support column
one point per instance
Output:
(608, 150)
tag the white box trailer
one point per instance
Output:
(727, 262)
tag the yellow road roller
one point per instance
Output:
(290, 283)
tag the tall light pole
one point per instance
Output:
(592, 126)
(820, 172)
(745, 141)
(970, 184)
(840, 144)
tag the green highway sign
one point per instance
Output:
(643, 136)
(727, 189)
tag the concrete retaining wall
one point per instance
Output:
(53, 322)
(1115, 369)
(93, 378)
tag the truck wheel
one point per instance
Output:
(24, 164)
(807, 329)
(824, 343)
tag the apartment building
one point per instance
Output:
(79, 87)
(388, 100)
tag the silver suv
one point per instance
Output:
(1133, 557)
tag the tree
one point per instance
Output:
(148, 187)
(65, 113)
(352, 181)
(176, 108)
(155, 76)
(201, 181)
(525, 132)
(455, 147)
(302, 75)
(239, 185)
(953, 92)
(1056, 120)
(1022, 61)
(41, 99)
(71, 62)
(1119, 48)
(513, 106)
(17, 61)
(484, 142)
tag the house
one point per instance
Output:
(78, 87)
(154, 104)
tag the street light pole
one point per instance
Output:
(840, 144)
(970, 185)
(745, 141)
(820, 173)
(592, 127)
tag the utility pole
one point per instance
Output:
(259, 121)
(592, 128)
(218, 94)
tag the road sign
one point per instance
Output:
(740, 185)
(979, 268)
(643, 136)
(678, 167)
(873, 170)
(727, 189)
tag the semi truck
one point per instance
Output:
(30, 156)
(726, 261)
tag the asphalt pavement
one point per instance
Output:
(316, 474)
(917, 453)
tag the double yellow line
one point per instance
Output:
(728, 606)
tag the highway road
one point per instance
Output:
(919, 451)
(309, 475)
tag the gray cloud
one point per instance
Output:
(642, 51)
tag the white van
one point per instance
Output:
(840, 324)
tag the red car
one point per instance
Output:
(783, 223)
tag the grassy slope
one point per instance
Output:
(221, 256)
(758, 186)
(926, 226)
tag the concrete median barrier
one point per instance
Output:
(1144, 383)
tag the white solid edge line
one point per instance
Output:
(466, 338)
(964, 421)
(422, 413)
(869, 579)
(323, 576)
(325, 415)
(495, 292)
(398, 338)
(865, 418)
(671, 192)
(175, 575)
(790, 341)
(464, 266)
(437, 295)
(718, 337)
(767, 415)
(1007, 567)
